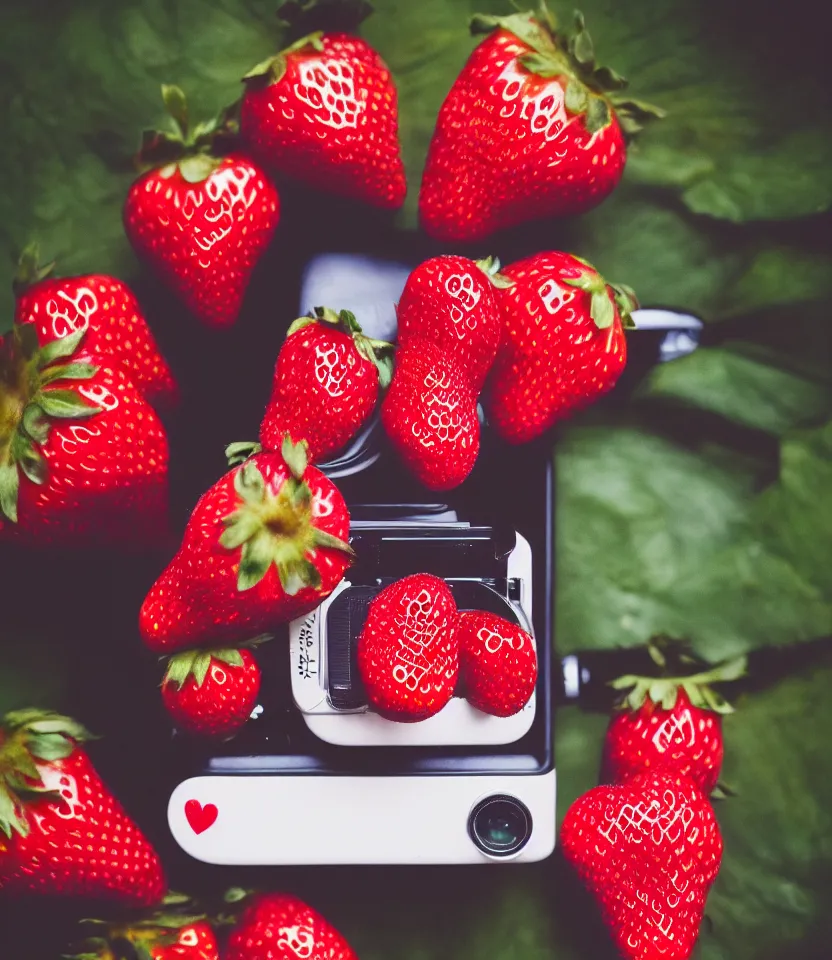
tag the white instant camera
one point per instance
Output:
(316, 777)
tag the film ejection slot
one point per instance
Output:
(485, 569)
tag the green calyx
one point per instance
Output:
(377, 352)
(239, 452)
(196, 151)
(277, 528)
(29, 401)
(26, 738)
(605, 298)
(272, 69)
(29, 269)
(490, 266)
(195, 663)
(134, 936)
(591, 91)
(664, 690)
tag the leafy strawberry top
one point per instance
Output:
(29, 737)
(378, 352)
(29, 402)
(664, 690)
(490, 266)
(135, 936)
(605, 297)
(196, 663)
(196, 150)
(591, 90)
(305, 22)
(277, 528)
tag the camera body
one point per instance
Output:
(316, 777)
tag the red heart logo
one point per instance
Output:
(199, 817)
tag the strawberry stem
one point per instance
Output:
(196, 150)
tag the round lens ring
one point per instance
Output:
(500, 825)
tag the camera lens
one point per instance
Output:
(500, 825)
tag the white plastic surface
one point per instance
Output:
(292, 820)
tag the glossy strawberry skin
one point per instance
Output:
(686, 739)
(221, 705)
(107, 480)
(506, 150)
(84, 845)
(196, 941)
(196, 600)
(278, 926)
(204, 238)
(430, 416)
(497, 663)
(323, 391)
(116, 327)
(330, 121)
(408, 651)
(553, 360)
(649, 851)
(450, 302)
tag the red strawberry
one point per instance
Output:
(61, 831)
(562, 347)
(83, 458)
(408, 651)
(325, 110)
(200, 219)
(529, 130)
(448, 332)
(194, 941)
(430, 415)
(648, 851)
(450, 301)
(278, 926)
(326, 383)
(497, 663)
(107, 309)
(264, 545)
(673, 723)
(211, 693)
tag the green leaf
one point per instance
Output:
(50, 746)
(9, 485)
(240, 527)
(240, 451)
(176, 105)
(255, 560)
(725, 556)
(35, 424)
(601, 309)
(295, 456)
(197, 168)
(61, 347)
(65, 404)
(249, 483)
(745, 390)
(68, 371)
